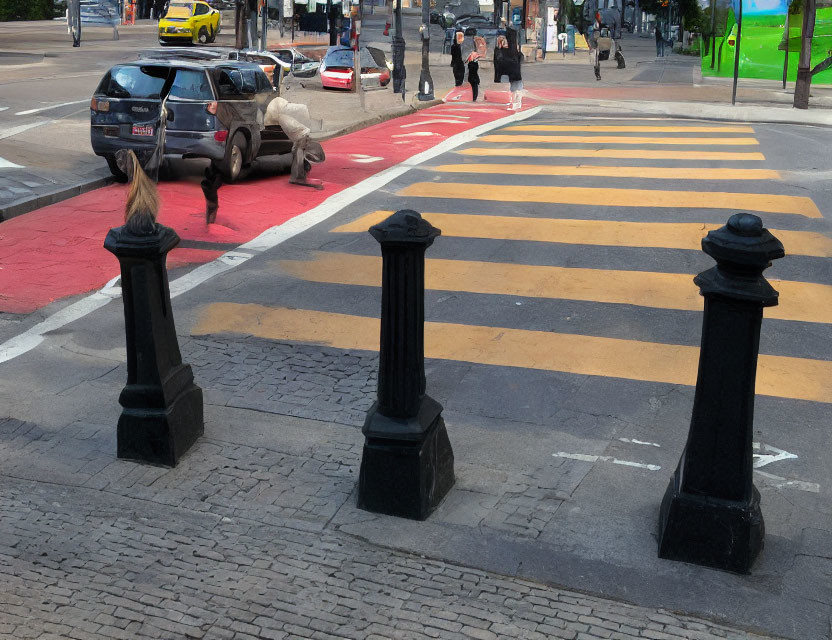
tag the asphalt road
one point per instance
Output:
(562, 332)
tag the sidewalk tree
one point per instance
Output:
(26, 10)
(804, 63)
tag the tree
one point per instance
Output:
(804, 64)
(26, 10)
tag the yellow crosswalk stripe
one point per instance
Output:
(667, 235)
(611, 171)
(779, 376)
(605, 128)
(604, 197)
(637, 154)
(734, 142)
(800, 301)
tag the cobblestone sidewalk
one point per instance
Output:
(237, 543)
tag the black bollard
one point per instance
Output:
(162, 414)
(711, 513)
(408, 465)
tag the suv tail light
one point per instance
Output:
(99, 105)
(211, 108)
(221, 136)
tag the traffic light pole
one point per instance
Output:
(425, 81)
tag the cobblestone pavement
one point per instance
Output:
(237, 542)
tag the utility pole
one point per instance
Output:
(425, 81)
(264, 25)
(804, 63)
(737, 56)
(241, 25)
(397, 46)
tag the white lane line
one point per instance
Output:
(365, 159)
(450, 115)
(3, 108)
(8, 164)
(54, 106)
(583, 457)
(779, 482)
(269, 239)
(634, 441)
(13, 131)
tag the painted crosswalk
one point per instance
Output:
(521, 191)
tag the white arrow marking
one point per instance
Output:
(774, 454)
(54, 106)
(416, 133)
(360, 157)
(583, 457)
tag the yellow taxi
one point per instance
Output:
(189, 20)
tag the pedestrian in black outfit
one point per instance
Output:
(457, 64)
(507, 65)
(474, 74)
(659, 42)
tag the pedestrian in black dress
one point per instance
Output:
(457, 64)
(474, 74)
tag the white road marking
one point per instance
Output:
(780, 482)
(583, 457)
(20, 344)
(414, 134)
(8, 164)
(634, 441)
(774, 454)
(451, 115)
(365, 159)
(3, 108)
(54, 106)
(437, 120)
(13, 131)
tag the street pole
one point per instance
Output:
(264, 26)
(241, 24)
(425, 81)
(397, 46)
(737, 56)
(713, 32)
(804, 63)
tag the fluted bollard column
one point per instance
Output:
(711, 513)
(162, 415)
(408, 465)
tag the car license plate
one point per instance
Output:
(142, 129)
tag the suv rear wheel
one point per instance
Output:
(235, 156)
(118, 174)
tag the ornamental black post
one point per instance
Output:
(397, 50)
(711, 513)
(162, 414)
(408, 465)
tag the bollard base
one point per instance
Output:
(161, 435)
(714, 533)
(407, 478)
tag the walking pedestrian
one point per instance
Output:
(473, 74)
(659, 42)
(457, 65)
(507, 65)
(594, 48)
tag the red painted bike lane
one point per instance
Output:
(57, 251)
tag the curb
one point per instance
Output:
(708, 111)
(19, 207)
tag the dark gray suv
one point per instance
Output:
(214, 109)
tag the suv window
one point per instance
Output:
(191, 85)
(250, 80)
(236, 84)
(133, 82)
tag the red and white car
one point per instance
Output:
(337, 68)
